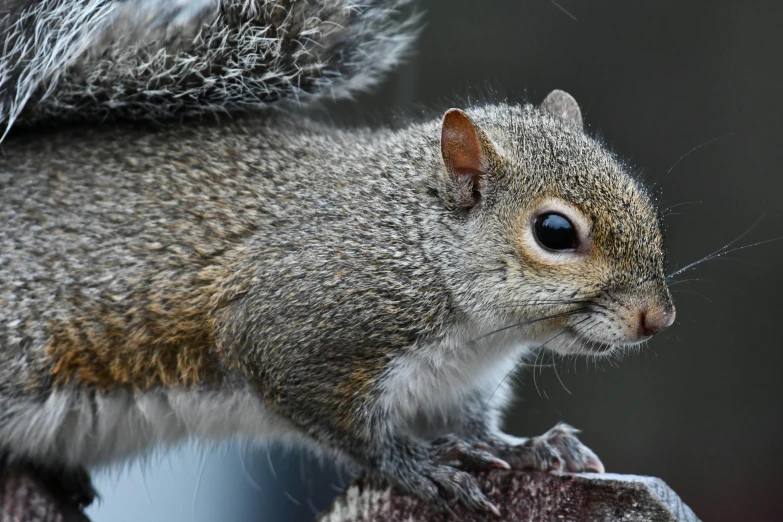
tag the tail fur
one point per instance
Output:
(172, 59)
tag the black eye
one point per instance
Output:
(555, 232)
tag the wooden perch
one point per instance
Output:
(519, 496)
(524, 496)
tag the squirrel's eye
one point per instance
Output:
(555, 232)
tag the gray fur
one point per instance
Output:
(170, 59)
(349, 288)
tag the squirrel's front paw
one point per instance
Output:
(557, 450)
(430, 473)
(456, 452)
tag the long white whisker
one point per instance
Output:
(554, 366)
(667, 209)
(512, 370)
(694, 149)
(723, 250)
(525, 323)
(716, 255)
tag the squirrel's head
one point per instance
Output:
(560, 242)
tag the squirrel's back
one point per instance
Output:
(122, 246)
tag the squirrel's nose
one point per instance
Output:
(653, 320)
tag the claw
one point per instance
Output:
(456, 452)
(461, 486)
(434, 475)
(595, 466)
(481, 460)
(557, 450)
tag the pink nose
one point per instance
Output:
(652, 321)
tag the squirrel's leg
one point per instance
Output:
(388, 453)
(70, 485)
(358, 426)
(556, 450)
(428, 470)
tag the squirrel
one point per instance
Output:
(364, 292)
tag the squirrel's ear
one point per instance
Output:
(465, 151)
(562, 105)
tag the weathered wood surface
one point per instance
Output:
(518, 495)
(525, 496)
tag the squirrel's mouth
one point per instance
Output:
(584, 345)
(598, 347)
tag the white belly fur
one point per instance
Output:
(433, 381)
(74, 429)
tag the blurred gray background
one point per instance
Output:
(687, 86)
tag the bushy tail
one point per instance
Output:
(171, 59)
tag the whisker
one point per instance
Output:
(694, 149)
(535, 365)
(667, 209)
(522, 304)
(554, 366)
(569, 300)
(716, 255)
(535, 384)
(724, 249)
(516, 366)
(525, 323)
(563, 10)
(682, 290)
(672, 283)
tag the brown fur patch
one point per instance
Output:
(354, 392)
(164, 339)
